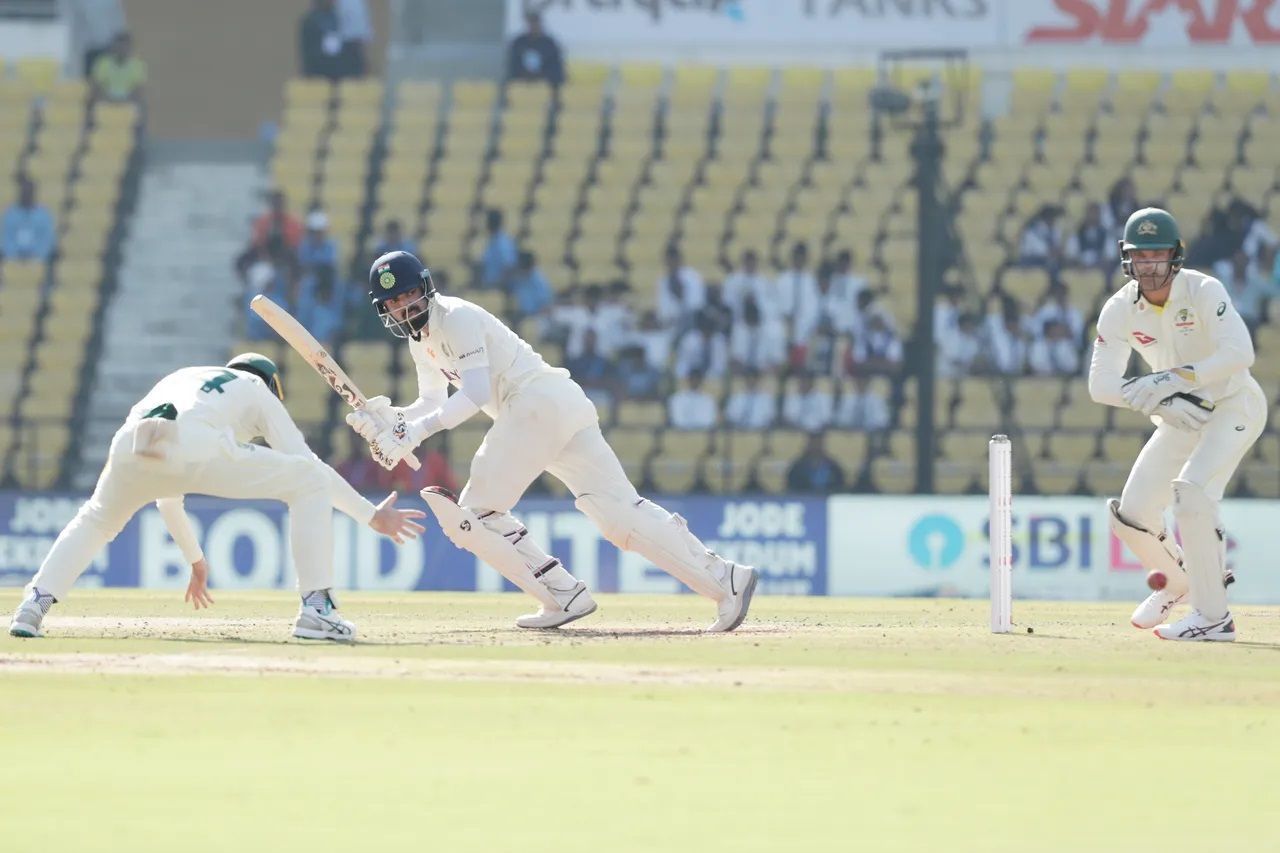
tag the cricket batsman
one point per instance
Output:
(542, 421)
(191, 433)
(1208, 412)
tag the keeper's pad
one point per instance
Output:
(1204, 554)
(1157, 551)
(661, 537)
(468, 532)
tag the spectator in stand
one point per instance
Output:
(277, 221)
(1252, 227)
(681, 293)
(320, 41)
(655, 339)
(807, 407)
(592, 371)
(393, 240)
(814, 471)
(1042, 242)
(716, 310)
(118, 75)
(1054, 352)
(702, 349)
(320, 308)
(1247, 286)
(356, 33)
(610, 326)
(272, 271)
(959, 348)
(1093, 244)
(617, 323)
(636, 378)
(794, 286)
(531, 293)
(28, 230)
(755, 344)
(848, 284)
(823, 316)
(747, 281)
(500, 256)
(946, 312)
(751, 406)
(318, 252)
(878, 350)
(861, 408)
(1122, 200)
(534, 55)
(1269, 269)
(1057, 308)
(692, 408)
(1007, 342)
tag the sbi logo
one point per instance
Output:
(936, 542)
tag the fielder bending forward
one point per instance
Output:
(542, 421)
(190, 434)
(1208, 410)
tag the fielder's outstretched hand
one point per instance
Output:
(396, 523)
(198, 587)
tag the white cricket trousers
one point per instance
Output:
(1208, 458)
(204, 461)
(548, 425)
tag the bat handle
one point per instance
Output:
(412, 461)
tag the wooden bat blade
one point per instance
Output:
(314, 353)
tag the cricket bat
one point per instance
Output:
(296, 336)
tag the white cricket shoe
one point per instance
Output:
(1155, 608)
(27, 619)
(741, 583)
(574, 603)
(1195, 626)
(320, 620)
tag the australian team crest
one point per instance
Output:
(1185, 319)
(1146, 228)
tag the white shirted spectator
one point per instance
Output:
(1057, 309)
(794, 286)
(824, 310)
(1042, 241)
(655, 339)
(691, 407)
(681, 292)
(1092, 244)
(746, 281)
(847, 282)
(1006, 342)
(701, 349)
(946, 312)
(1053, 353)
(751, 406)
(807, 407)
(757, 343)
(958, 349)
(861, 408)
(1247, 286)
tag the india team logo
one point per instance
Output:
(387, 279)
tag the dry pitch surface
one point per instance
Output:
(823, 724)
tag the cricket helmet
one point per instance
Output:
(262, 367)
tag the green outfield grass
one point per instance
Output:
(824, 724)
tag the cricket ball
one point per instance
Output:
(1157, 580)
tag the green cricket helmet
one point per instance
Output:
(1152, 228)
(262, 367)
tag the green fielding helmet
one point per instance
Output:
(262, 367)
(1152, 228)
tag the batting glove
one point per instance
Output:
(374, 417)
(1185, 412)
(1146, 393)
(391, 446)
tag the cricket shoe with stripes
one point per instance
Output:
(1155, 608)
(741, 584)
(573, 601)
(1195, 626)
(27, 618)
(318, 619)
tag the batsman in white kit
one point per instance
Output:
(1208, 412)
(542, 421)
(191, 433)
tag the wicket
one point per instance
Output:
(1000, 533)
